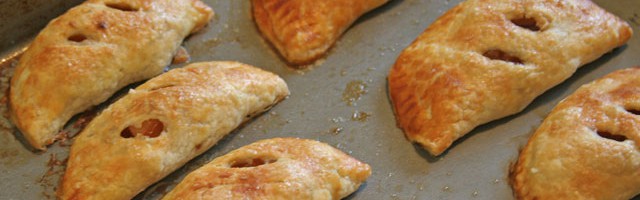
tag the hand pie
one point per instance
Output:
(84, 56)
(304, 30)
(587, 148)
(487, 59)
(162, 124)
(280, 168)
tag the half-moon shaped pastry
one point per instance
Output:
(304, 30)
(162, 124)
(84, 56)
(487, 59)
(280, 168)
(587, 148)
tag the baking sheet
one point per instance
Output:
(319, 107)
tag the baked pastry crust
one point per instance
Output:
(303, 30)
(487, 59)
(279, 168)
(587, 148)
(84, 56)
(197, 105)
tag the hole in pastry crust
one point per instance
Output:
(633, 111)
(77, 38)
(121, 6)
(527, 23)
(252, 162)
(607, 135)
(501, 55)
(150, 128)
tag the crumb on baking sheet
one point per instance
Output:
(360, 116)
(181, 56)
(335, 130)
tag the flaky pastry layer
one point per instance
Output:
(587, 148)
(279, 168)
(487, 59)
(304, 30)
(87, 54)
(162, 124)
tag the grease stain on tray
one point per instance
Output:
(353, 92)
(11, 156)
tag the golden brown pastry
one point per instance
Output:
(304, 30)
(162, 124)
(487, 59)
(84, 56)
(280, 168)
(587, 148)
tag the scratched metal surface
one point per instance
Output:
(474, 168)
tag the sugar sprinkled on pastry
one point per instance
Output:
(162, 124)
(587, 148)
(487, 59)
(302, 30)
(84, 56)
(279, 168)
